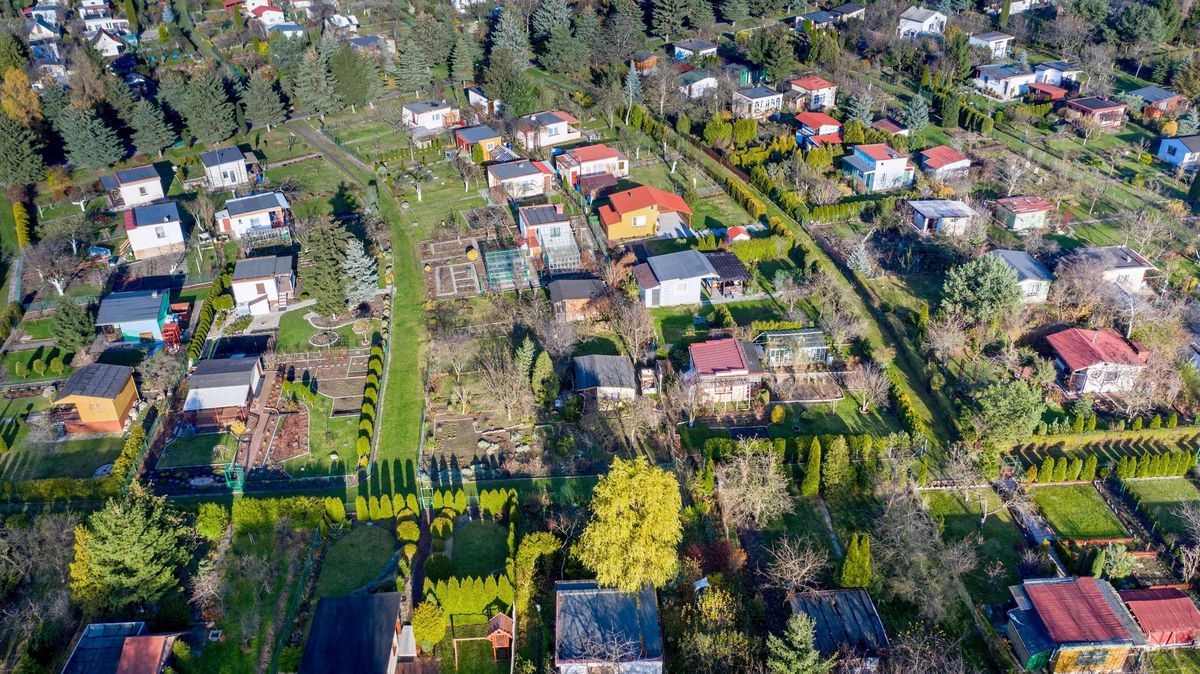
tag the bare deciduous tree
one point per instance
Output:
(1189, 561)
(871, 385)
(632, 323)
(1148, 232)
(794, 566)
(1080, 292)
(52, 263)
(500, 376)
(1014, 173)
(751, 483)
(922, 652)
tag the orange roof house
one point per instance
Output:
(101, 397)
(643, 211)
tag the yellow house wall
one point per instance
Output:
(625, 229)
(93, 410)
(1065, 662)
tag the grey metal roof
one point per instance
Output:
(135, 175)
(918, 14)
(96, 380)
(693, 76)
(843, 617)
(993, 36)
(543, 215)
(585, 611)
(641, 55)
(255, 202)
(513, 169)
(1192, 143)
(420, 107)
(849, 8)
(155, 214)
(728, 266)
(757, 92)
(288, 27)
(1004, 70)
(1115, 257)
(131, 305)
(544, 118)
(605, 371)
(262, 267)
(575, 289)
(474, 134)
(820, 17)
(1064, 66)
(222, 372)
(366, 41)
(686, 264)
(99, 649)
(222, 156)
(352, 634)
(1027, 268)
(695, 45)
(1153, 94)
(941, 208)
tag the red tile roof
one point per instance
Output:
(720, 356)
(942, 155)
(594, 153)
(263, 9)
(644, 196)
(1081, 349)
(816, 120)
(1166, 615)
(813, 83)
(887, 125)
(1056, 92)
(1025, 204)
(823, 138)
(878, 151)
(144, 654)
(1075, 611)
(736, 232)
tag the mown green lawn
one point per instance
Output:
(1076, 512)
(37, 329)
(27, 358)
(294, 332)
(199, 450)
(674, 323)
(999, 540)
(327, 436)
(1161, 497)
(355, 559)
(28, 460)
(480, 548)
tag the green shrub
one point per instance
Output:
(20, 369)
(1173, 420)
(437, 567)
(1156, 421)
(1137, 423)
(408, 531)
(39, 366)
(56, 366)
(211, 521)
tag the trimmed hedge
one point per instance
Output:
(367, 413)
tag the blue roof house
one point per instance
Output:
(134, 316)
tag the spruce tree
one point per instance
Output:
(1089, 468)
(632, 91)
(120, 99)
(412, 70)
(835, 467)
(20, 154)
(512, 36)
(701, 15)
(323, 253)
(207, 108)
(545, 381)
(465, 57)
(916, 114)
(503, 81)
(72, 326)
(550, 16)
(13, 52)
(667, 17)
(811, 485)
(361, 274)
(355, 77)
(89, 141)
(1005, 12)
(734, 11)
(263, 103)
(860, 107)
(151, 133)
(313, 86)
(563, 52)
(796, 652)
(587, 29)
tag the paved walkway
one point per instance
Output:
(260, 429)
(347, 162)
(268, 322)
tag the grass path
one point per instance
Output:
(403, 401)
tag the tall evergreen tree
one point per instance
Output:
(465, 58)
(549, 16)
(915, 115)
(72, 326)
(796, 651)
(949, 109)
(13, 52)
(151, 133)
(131, 15)
(360, 272)
(512, 36)
(811, 485)
(90, 142)
(835, 467)
(314, 88)
(324, 254)
(355, 77)
(263, 103)
(701, 15)
(207, 108)
(667, 17)
(120, 99)
(861, 107)
(1005, 12)
(563, 53)
(412, 70)
(504, 81)
(587, 29)
(20, 154)
(734, 11)
(856, 567)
